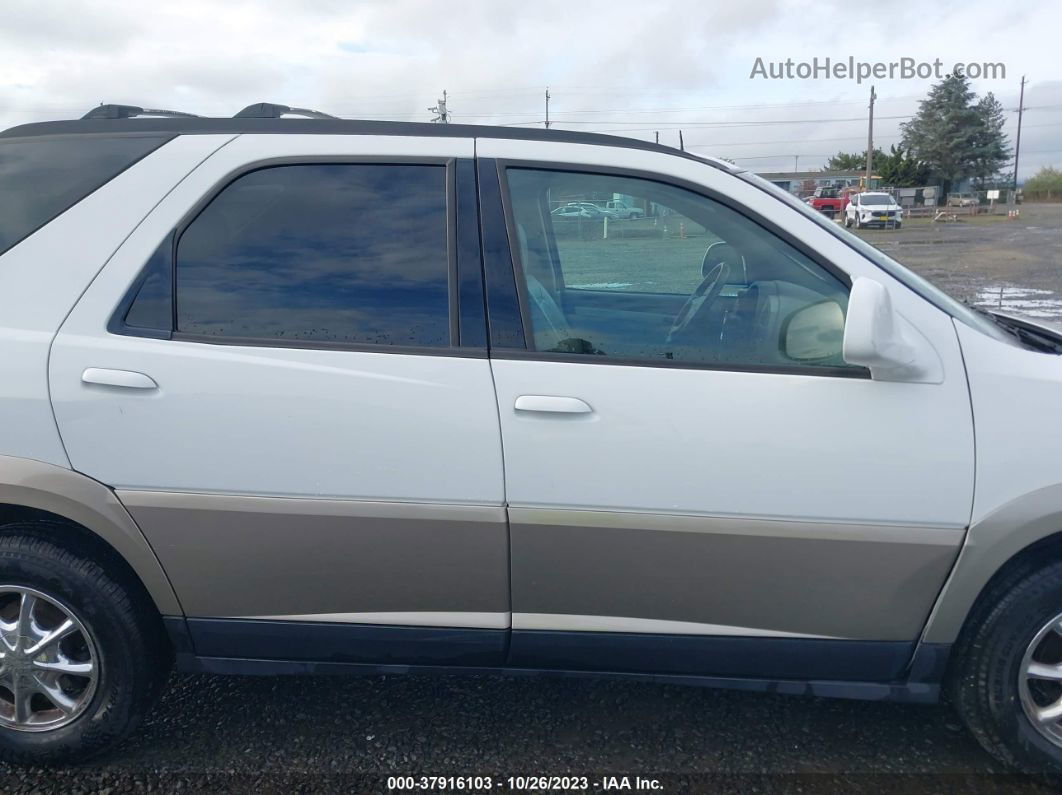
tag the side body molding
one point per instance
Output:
(46, 487)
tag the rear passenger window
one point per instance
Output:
(152, 308)
(41, 178)
(340, 253)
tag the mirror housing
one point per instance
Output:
(880, 339)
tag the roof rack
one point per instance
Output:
(267, 110)
(131, 111)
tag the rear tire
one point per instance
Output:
(1014, 626)
(130, 655)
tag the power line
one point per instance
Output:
(790, 141)
(805, 154)
(675, 125)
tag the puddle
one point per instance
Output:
(1021, 301)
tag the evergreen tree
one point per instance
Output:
(901, 169)
(993, 149)
(853, 161)
(954, 136)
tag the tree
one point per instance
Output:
(901, 169)
(954, 136)
(993, 148)
(853, 161)
(1047, 184)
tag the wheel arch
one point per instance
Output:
(1023, 533)
(32, 489)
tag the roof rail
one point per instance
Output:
(267, 110)
(130, 111)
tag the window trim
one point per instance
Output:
(503, 165)
(116, 323)
(503, 313)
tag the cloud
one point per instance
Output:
(605, 61)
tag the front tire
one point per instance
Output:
(1007, 681)
(66, 698)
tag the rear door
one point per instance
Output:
(283, 373)
(697, 481)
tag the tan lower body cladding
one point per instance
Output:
(749, 576)
(271, 556)
(571, 570)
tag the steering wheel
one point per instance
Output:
(700, 299)
(721, 251)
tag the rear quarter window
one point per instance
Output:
(41, 178)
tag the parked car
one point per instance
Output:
(569, 211)
(962, 200)
(244, 435)
(828, 201)
(623, 210)
(582, 210)
(873, 209)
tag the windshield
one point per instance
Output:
(925, 289)
(875, 198)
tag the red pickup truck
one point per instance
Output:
(828, 201)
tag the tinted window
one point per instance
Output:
(153, 306)
(347, 253)
(43, 177)
(691, 281)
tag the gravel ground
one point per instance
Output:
(990, 261)
(329, 734)
(318, 734)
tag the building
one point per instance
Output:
(803, 183)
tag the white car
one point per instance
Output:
(242, 434)
(873, 209)
(582, 210)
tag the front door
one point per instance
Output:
(697, 480)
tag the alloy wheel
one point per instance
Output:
(49, 666)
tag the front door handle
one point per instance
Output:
(550, 404)
(122, 378)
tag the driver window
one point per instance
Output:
(638, 270)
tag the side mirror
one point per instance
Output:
(878, 338)
(815, 332)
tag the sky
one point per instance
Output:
(627, 68)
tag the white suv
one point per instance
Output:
(873, 209)
(311, 395)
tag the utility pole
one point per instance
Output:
(442, 115)
(547, 107)
(870, 138)
(796, 164)
(682, 145)
(658, 136)
(1017, 143)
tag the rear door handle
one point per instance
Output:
(549, 404)
(122, 378)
